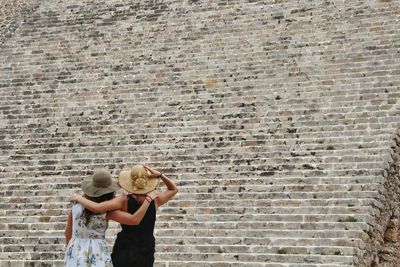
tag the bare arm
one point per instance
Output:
(132, 219)
(165, 196)
(68, 228)
(109, 205)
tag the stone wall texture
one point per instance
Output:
(12, 15)
(277, 119)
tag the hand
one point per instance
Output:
(154, 172)
(153, 194)
(74, 198)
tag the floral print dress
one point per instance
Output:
(87, 247)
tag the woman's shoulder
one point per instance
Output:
(120, 200)
(122, 197)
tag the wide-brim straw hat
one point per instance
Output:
(137, 181)
(99, 184)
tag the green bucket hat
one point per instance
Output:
(99, 184)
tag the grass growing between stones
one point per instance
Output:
(348, 219)
(282, 251)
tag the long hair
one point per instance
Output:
(87, 214)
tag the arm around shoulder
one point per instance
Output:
(129, 219)
(109, 205)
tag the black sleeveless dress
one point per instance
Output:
(135, 244)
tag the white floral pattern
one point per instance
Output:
(87, 247)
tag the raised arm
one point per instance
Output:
(164, 196)
(68, 228)
(109, 205)
(133, 219)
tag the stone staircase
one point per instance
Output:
(278, 120)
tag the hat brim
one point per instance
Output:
(93, 191)
(125, 182)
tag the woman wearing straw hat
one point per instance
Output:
(135, 244)
(85, 230)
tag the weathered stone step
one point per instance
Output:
(254, 241)
(93, 77)
(56, 141)
(47, 141)
(36, 55)
(27, 237)
(47, 18)
(181, 247)
(227, 188)
(344, 222)
(189, 211)
(337, 68)
(88, 18)
(342, 104)
(261, 241)
(254, 97)
(278, 125)
(257, 258)
(277, 203)
(251, 171)
(301, 206)
(266, 169)
(17, 255)
(308, 159)
(182, 204)
(271, 217)
(276, 225)
(280, 255)
(278, 197)
(311, 158)
(31, 247)
(21, 227)
(280, 201)
(179, 175)
(236, 263)
(114, 228)
(282, 195)
(35, 37)
(265, 233)
(278, 148)
(30, 263)
(58, 182)
(51, 145)
(274, 188)
(279, 132)
(284, 203)
(16, 222)
(217, 186)
(340, 108)
(129, 76)
(28, 206)
(73, 183)
(43, 195)
(280, 181)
